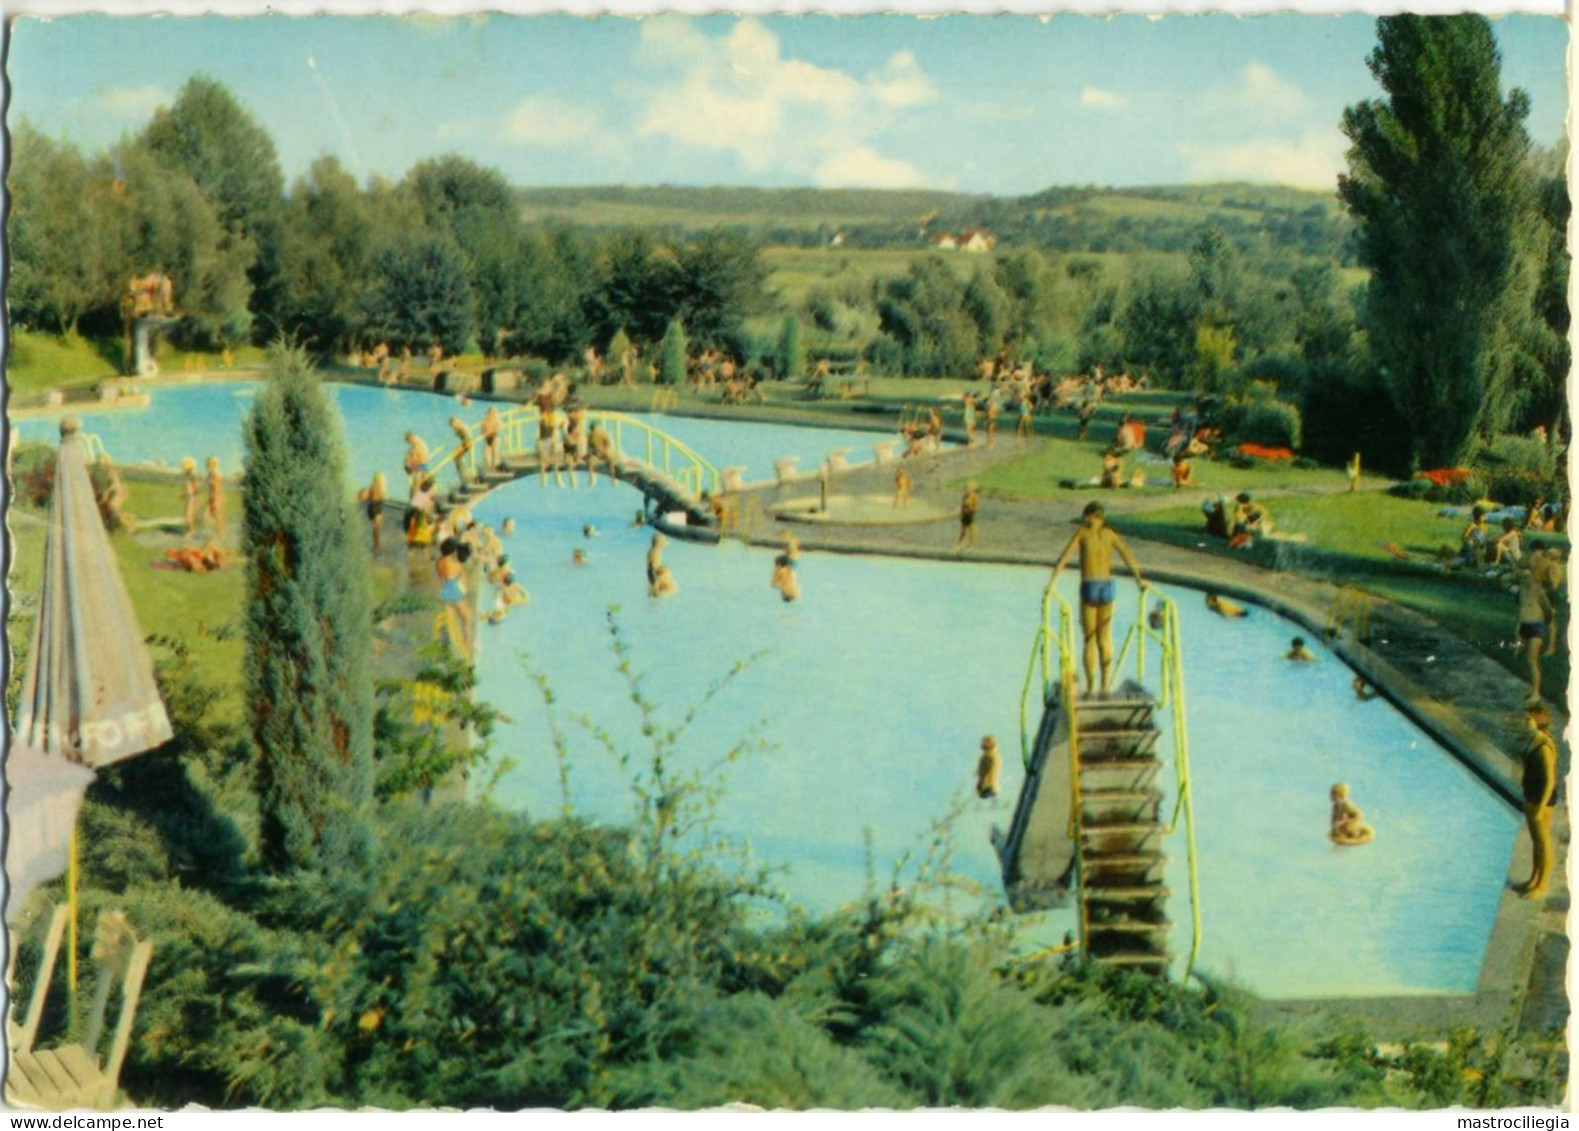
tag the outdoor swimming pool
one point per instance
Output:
(205, 420)
(877, 687)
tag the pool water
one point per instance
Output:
(875, 690)
(205, 420)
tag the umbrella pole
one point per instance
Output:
(71, 949)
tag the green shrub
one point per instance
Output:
(1273, 423)
(1517, 469)
(672, 355)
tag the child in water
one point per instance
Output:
(1298, 652)
(1223, 607)
(784, 578)
(987, 769)
(1348, 823)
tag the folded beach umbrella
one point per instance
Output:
(88, 695)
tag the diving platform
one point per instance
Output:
(1089, 826)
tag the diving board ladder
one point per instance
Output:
(1089, 824)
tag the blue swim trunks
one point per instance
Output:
(1532, 630)
(1097, 592)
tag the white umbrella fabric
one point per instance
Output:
(88, 695)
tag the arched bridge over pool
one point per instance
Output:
(669, 472)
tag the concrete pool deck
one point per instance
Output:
(1460, 697)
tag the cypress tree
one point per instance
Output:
(308, 630)
(671, 355)
(791, 360)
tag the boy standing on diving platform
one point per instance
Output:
(1096, 541)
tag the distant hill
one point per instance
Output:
(1088, 218)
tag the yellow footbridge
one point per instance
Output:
(1089, 825)
(662, 467)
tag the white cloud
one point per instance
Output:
(548, 121)
(1314, 160)
(125, 103)
(901, 83)
(1261, 90)
(860, 167)
(1100, 99)
(738, 93)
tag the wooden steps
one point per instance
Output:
(1122, 894)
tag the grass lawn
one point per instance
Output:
(1037, 474)
(45, 361)
(204, 610)
(40, 362)
(1347, 535)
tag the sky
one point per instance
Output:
(992, 104)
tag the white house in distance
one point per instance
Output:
(968, 239)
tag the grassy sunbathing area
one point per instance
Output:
(1348, 536)
(202, 610)
(39, 362)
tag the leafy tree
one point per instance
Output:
(420, 294)
(1212, 366)
(640, 286)
(476, 208)
(326, 258)
(308, 685)
(924, 311)
(671, 355)
(1158, 325)
(168, 223)
(207, 134)
(63, 233)
(790, 361)
(719, 280)
(988, 308)
(1439, 184)
(1543, 358)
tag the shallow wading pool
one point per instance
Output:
(875, 691)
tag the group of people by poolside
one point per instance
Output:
(203, 501)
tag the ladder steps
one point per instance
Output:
(1137, 958)
(1099, 765)
(1130, 927)
(1122, 828)
(1137, 894)
(1124, 859)
(1094, 733)
(1111, 796)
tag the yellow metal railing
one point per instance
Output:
(1162, 627)
(1351, 609)
(690, 472)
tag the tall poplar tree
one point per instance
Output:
(307, 668)
(1439, 182)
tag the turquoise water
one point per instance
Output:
(205, 420)
(877, 687)
(874, 692)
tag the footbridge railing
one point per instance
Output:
(633, 440)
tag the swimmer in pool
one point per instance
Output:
(1097, 542)
(655, 562)
(784, 579)
(1223, 607)
(589, 531)
(579, 557)
(987, 768)
(1363, 691)
(1298, 652)
(1348, 823)
(508, 527)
